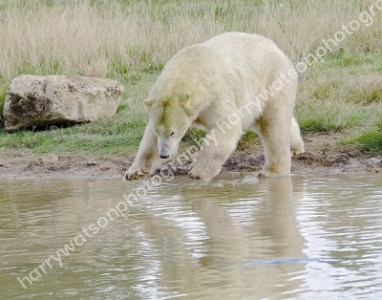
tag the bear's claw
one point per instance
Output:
(133, 175)
(192, 177)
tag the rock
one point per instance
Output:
(44, 100)
(353, 154)
(1, 164)
(49, 158)
(91, 162)
(104, 168)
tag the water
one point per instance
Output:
(238, 238)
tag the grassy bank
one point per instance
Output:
(130, 41)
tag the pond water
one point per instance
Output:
(237, 238)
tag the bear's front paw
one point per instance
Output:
(133, 174)
(203, 172)
(192, 175)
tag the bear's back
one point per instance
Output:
(232, 63)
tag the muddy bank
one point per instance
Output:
(322, 155)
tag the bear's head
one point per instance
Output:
(171, 117)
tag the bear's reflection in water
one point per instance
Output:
(221, 245)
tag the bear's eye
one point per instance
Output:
(172, 133)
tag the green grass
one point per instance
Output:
(248, 139)
(103, 137)
(310, 126)
(193, 134)
(369, 141)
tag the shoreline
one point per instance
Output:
(322, 155)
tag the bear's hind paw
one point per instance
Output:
(295, 152)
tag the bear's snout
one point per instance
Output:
(164, 149)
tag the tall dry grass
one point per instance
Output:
(84, 37)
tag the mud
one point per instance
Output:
(323, 155)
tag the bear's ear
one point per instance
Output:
(149, 102)
(185, 102)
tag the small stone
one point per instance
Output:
(49, 158)
(353, 154)
(91, 162)
(104, 168)
(1, 164)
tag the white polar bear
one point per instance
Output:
(230, 83)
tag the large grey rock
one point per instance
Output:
(43, 100)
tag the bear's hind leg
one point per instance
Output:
(147, 159)
(274, 133)
(296, 142)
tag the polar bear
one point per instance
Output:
(230, 83)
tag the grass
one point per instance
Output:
(369, 141)
(334, 97)
(131, 40)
